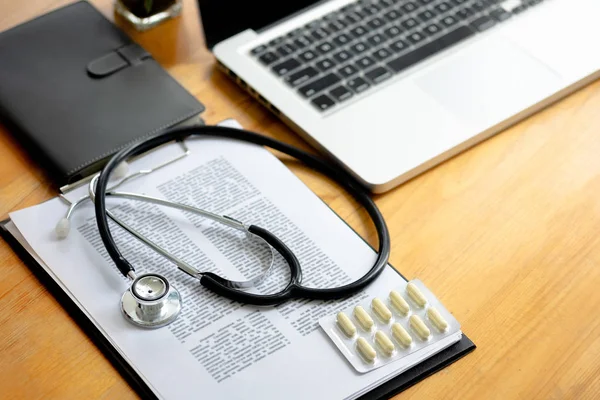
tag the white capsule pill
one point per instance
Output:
(363, 318)
(366, 350)
(347, 326)
(381, 310)
(436, 318)
(384, 343)
(399, 303)
(401, 335)
(416, 295)
(417, 324)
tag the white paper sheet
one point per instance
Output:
(218, 348)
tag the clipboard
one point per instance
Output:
(384, 391)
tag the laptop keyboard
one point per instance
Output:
(365, 43)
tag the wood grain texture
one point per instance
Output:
(505, 234)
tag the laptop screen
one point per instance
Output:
(222, 19)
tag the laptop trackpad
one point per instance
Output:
(489, 81)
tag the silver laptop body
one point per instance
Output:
(467, 80)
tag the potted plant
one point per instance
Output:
(144, 14)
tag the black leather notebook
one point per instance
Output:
(74, 89)
(384, 391)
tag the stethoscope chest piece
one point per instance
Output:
(150, 302)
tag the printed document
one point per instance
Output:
(218, 348)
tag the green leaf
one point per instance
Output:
(148, 5)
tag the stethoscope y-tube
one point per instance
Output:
(218, 284)
(181, 264)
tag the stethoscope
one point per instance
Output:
(150, 301)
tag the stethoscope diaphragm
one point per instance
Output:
(151, 302)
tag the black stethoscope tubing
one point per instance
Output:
(220, 285)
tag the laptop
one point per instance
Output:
(391, 88)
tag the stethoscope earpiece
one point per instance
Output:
(63, 227)
(120, 171)
(150, 302)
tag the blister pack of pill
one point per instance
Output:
(389, 327)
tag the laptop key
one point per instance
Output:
(294, 33)
(519, 9)
(426, 15)
(299, 77)
(464, 13)
(449, 20)
(427, 50)
(376, 39)
(323, 102)
(409, 7)
(343, 55)
(258, 49)
(415, 37)
(360, 13)
(302, 41)
(382, 54)
(358, 84)
(332, 16)
(478, 6)
(308, 55)
(320, 33)
(313, 24)
(268, 58)
(324, 47)
(347, 70)
(286, 66)
(371, 9)
(443, 7)
(392, 15)
(352, 19)
(359, 47)
(359, 31)
(286, 49)
(378, 74)
(276, 41)
(398, 46)
(341, 93)
(483, 23)
(500, 14)
(335, 26)
(432, 29)
(410, 23)
(376, 23)
(365, 62)
(319, 85)
(342, 39)
(392, 31)
(347, 8)
(325, 64)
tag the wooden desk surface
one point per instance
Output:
(506, 234)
